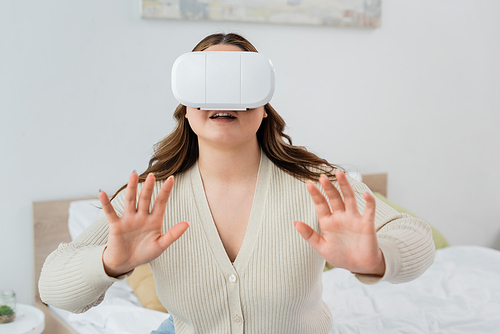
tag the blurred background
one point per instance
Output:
(85, 94)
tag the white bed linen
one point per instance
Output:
(459, 293)
(119, 313)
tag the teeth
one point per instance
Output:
(222, 114)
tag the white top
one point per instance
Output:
(29, 319)
(273, 286)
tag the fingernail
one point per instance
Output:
(100, 191)
(134, 171)
(151, 174)
(322, 175)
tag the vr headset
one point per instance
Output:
(223, 80)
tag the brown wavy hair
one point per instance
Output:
(177, 152)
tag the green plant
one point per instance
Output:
(5, 310)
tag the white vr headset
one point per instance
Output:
(223, 80)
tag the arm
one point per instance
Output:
(73, 276)
(126, 234)
(405, 241)
(364, 235)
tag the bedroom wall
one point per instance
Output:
(85, 93)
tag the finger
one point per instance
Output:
(131, 193)
(310, 235)
(146, 192)
(173, 234)
(162, 198)
(107, 207)
(369, 213)
(345, 187)
(320, 203)
(333, 194)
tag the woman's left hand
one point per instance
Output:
(348, 239)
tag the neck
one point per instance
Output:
(229, 165)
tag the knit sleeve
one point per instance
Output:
(406, 242)
(73, 276)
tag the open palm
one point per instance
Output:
(136, 238)
(348, 239)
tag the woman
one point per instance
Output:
(245, 246)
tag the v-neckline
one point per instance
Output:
(254, 221)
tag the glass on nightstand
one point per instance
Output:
(7, 306)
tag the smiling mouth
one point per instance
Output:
(222, 114)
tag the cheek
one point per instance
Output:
(256, 123)
(193, 120)
(193, 124)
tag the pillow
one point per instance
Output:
(439, 240)
(81, 215)
(143, 284)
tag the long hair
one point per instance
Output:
(177, 152)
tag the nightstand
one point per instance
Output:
(29, 320)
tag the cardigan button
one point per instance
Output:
(232, 278)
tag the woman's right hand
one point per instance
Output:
(136, 237)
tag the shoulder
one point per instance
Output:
(179, 179)
(283, 183)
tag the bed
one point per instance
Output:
(459, 293)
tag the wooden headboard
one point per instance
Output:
(376, 182)
(50, 219)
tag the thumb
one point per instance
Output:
(173, 234)
(313, 238)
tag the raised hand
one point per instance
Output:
(136, 237)
(348, 239)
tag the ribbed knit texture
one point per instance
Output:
(273, 286)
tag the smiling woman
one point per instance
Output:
(246, 210)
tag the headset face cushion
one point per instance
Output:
(223, 80)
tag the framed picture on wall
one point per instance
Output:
(337, 13)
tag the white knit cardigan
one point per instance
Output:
(273, 286)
